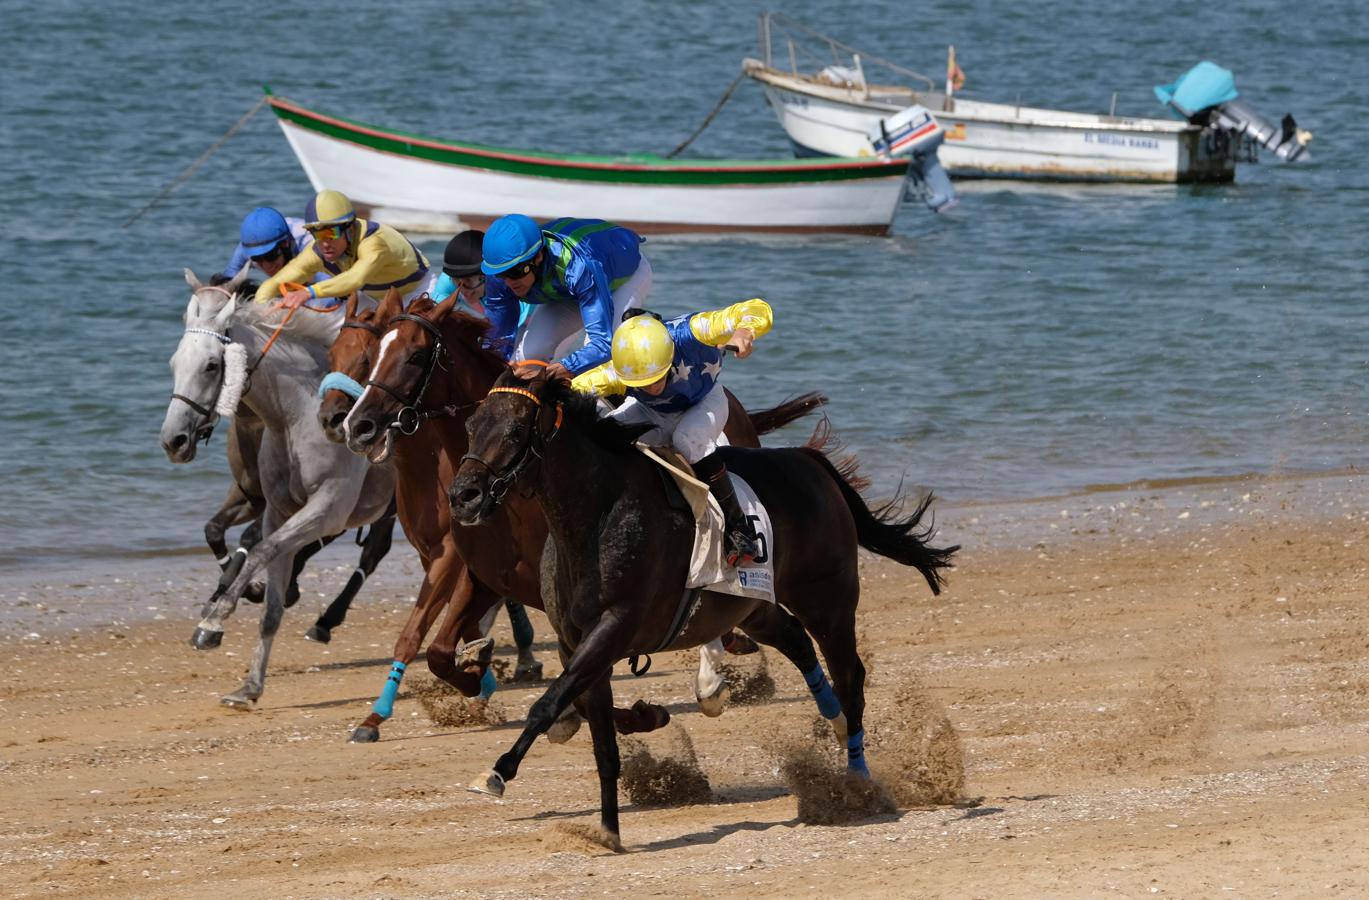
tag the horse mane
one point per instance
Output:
(304, 325)
(823, 441)
(582, 409)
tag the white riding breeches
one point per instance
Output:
(695, 432)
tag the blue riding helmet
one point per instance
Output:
(510, 241)
(262, 230)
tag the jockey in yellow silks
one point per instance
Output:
(355, 254)
(669, 371)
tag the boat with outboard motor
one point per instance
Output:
(832, 109)
(419, 183)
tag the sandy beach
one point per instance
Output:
(1155, 691)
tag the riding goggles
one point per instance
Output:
(328, 232)
(515, 272)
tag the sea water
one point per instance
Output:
(1034, 341)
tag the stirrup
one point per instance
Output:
(741, 549)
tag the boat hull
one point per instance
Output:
(993, 140)
(420, 184)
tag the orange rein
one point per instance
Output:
(287, 286)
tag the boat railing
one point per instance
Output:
(786, 28)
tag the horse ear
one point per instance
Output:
(351, 310)
(191, 280)
(236, 281)
(443, 309)
(224, 315)
(391, 306)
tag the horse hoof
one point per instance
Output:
(564, 728)
(839, 726)
(713, 706)
(203, 639)
(475, 653)
(237, 701)
(530, 672)
(318, 634)
(491, 784)
(364, 734)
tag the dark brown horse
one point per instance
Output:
(622, 553)
(429, 373)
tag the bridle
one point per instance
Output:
(410, 416)
(209, 415)
(500, 482)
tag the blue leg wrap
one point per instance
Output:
(827, 701)
(855, 755)
(487, 684)
(385, 703)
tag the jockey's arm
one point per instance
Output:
(502, 309)
(601, 381)
(591, 289)
(238, 260)
(716, 328)
(373, 256)
(300, 270)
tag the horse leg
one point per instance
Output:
(776, 628)
(592, 660)
(432, 598)
(374, 549)
(834, 627)
(251, 690)
(302, 556)
(250, 537)
(598, 704)
(465, 668)
(709, 684)
(236, 509)
(528, 668)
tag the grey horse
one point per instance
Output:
(313, 488)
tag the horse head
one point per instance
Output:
(208, 369)
(507, 432)
(350, 361)
(410, 352)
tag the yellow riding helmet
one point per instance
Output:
(329, 208)
(642, 351)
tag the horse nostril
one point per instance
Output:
(363, 428)
(469, 496)
(179, 441)
(336, 421)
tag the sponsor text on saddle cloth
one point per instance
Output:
(707, 567)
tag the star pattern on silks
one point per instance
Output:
(713, 369)
(683, 370)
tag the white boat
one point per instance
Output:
(829, 110)
(419, 183)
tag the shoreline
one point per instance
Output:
(94, 591)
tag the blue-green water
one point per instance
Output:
(1035, 340)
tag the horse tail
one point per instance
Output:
(884, 530)
(767, 420)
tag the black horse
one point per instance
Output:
(622, 545)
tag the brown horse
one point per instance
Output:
(429, 373)
(621, 549)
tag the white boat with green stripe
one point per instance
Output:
(419, 183)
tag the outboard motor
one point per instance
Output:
(1206, 95)
(915, 132)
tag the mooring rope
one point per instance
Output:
(698, 131)
(197, 163)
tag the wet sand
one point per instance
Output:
(1158, 692)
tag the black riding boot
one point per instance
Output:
(740, 539)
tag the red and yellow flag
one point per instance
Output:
(955, 78)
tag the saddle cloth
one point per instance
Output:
(708, 568)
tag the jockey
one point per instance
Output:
(355, 255)
(268, 241)
(578, 273)
(669, 371)
(461, 273)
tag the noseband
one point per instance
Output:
(410, 416)
(501, 482)
(208, 414)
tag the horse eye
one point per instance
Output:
(212, 366)
(417, 358)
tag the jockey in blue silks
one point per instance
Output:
(461, 275)
(268, 240)
(577, 273)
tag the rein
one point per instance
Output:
(410, 416)
(537, 442)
